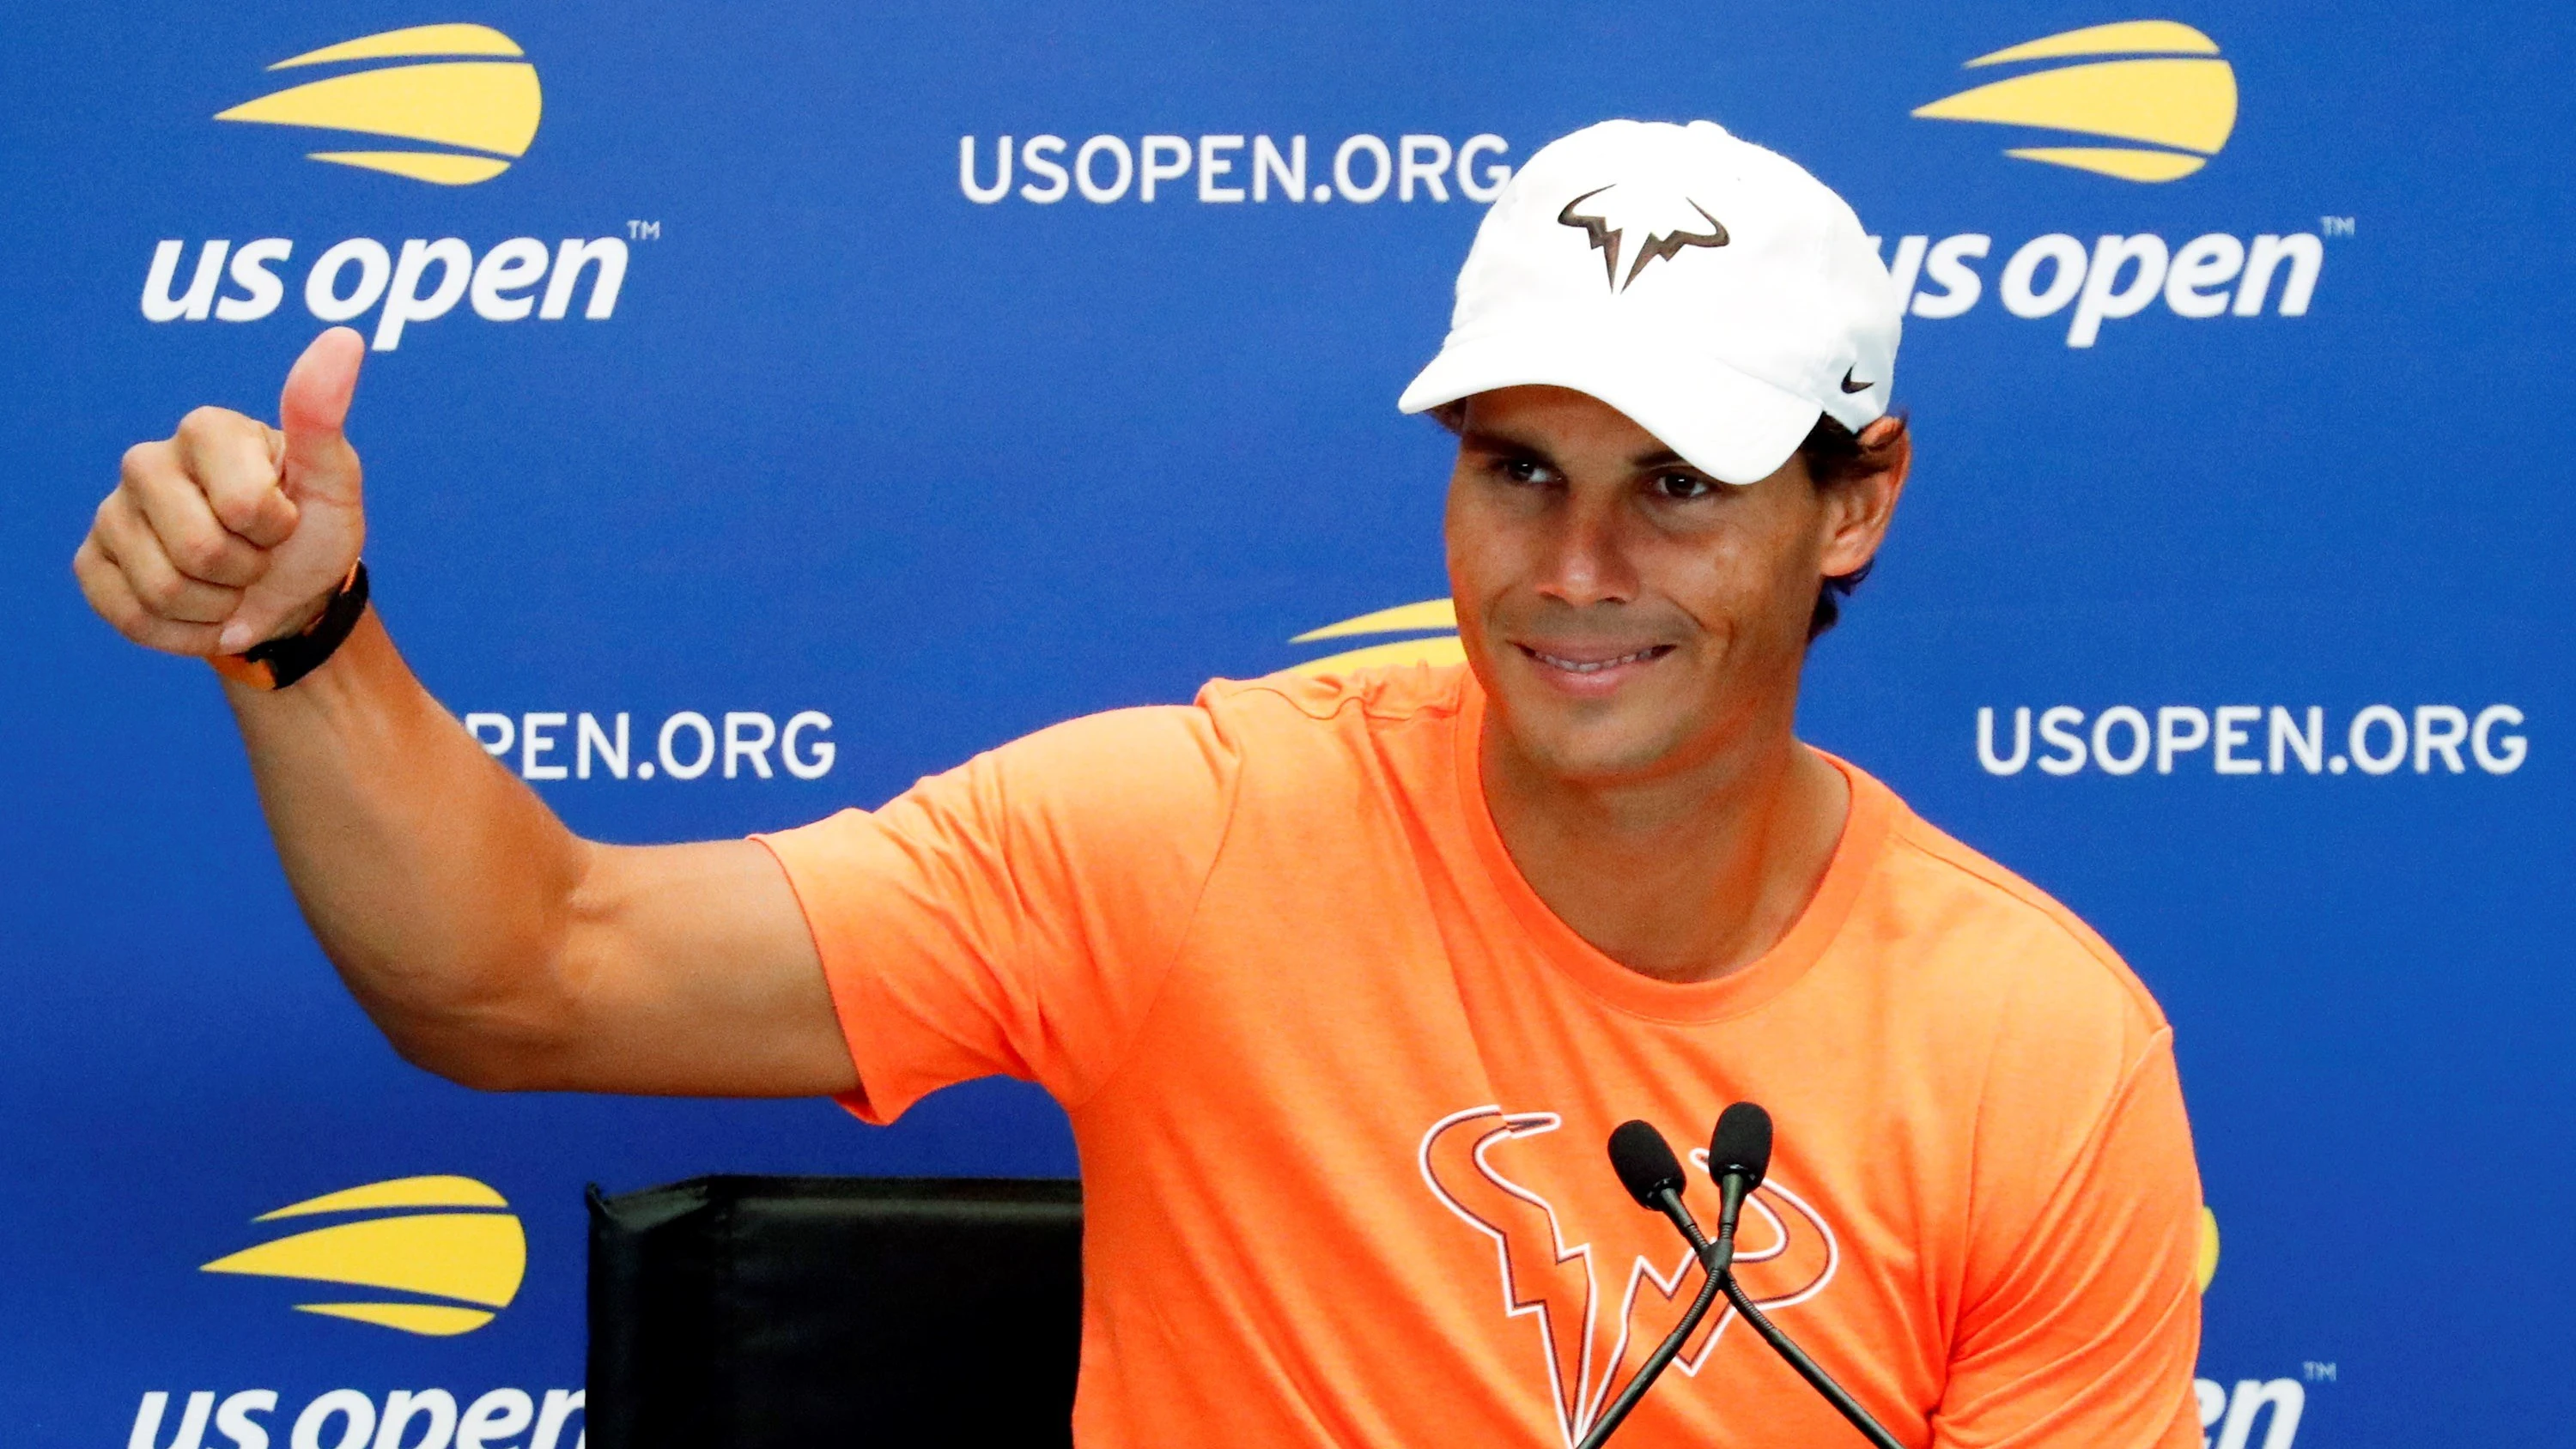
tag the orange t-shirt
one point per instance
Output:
(1341, 1083)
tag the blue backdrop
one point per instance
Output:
(818, 430)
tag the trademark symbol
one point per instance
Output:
(2335, 226)
(2318, 1373)
(652, 230)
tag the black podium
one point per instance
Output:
(796, 1312)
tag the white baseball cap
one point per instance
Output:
(1708, 288)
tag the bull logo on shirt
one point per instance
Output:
(1604, 1290)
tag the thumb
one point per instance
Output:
(312, 408)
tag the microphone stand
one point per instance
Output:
(1808, 1369)
(1739, 1152)
(1715, 1260)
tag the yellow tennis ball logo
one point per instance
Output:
(2160, 83)
(1421, 619)
(448, 1245)
(479, 113)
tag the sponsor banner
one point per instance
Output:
(503, 1418)
(1231, 169)
(768, 407)
(2253, 739)
(354, 279)
(684, 747)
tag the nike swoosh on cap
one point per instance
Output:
(1851, 386)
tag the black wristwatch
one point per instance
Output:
(280, 662)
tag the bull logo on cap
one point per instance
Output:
(1605, 219)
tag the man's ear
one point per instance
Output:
(1859, 508)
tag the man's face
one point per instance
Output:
(1628, 614)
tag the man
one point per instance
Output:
(1344, 982)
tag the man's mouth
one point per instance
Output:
(1588, 662)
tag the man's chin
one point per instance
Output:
(1589, 741)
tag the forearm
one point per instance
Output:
(440, 886)
(491, 944)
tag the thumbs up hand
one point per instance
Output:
(230, 532)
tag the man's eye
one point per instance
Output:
(1525, 470)
(1684, 485)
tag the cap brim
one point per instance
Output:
(1731, 426)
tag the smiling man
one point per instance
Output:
(1343, 982)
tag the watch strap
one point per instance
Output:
(280, 662)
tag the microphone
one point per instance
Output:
(1654, 1177)
(1739, 1153)
(1739, 1156)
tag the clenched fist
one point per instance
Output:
(230, 532)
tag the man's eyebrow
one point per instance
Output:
(1485, 440)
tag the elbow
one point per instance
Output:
(489, 1045)
(495, 1010)
(477, 1066)
(481, 1061)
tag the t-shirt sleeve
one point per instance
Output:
(1016, 915)
(2083, 1331)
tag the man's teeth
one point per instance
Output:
(1592, 666)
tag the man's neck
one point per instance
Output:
(1687, 877)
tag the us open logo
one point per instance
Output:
(1432, 627)
(2161, 90)
(467, 102)
(2155, 82)
(472, 109)
(448, 1250)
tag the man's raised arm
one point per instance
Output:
(491, 944)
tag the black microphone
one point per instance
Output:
(1653, 1176)
(1739, 1153)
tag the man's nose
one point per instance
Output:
(1586, 559)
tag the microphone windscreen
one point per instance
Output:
(1741, 1143)
(1645, 1163)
